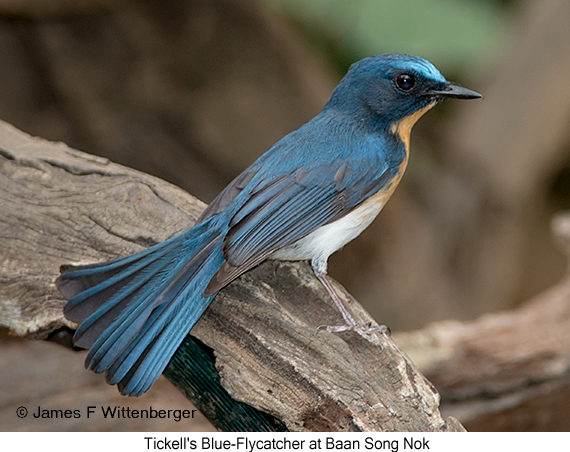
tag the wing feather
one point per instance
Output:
(278, 213)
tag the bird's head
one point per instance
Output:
(394, 88)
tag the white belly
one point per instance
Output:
(321, 243)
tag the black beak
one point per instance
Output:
(451, 90)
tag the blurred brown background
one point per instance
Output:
(193, 91)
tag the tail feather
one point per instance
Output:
(116, 338)
(169, 296)
(154, 360)
(153, 356)
(87, 292)
(76, 279)
(135, 311)
(146, 357)
(95, 324)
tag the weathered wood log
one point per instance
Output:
(508, 371)
(58, 205)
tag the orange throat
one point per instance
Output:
(403, 127)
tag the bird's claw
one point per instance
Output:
(278, 266)
(365, 330)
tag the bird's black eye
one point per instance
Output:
(405, 82)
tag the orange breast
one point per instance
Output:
(403, 130)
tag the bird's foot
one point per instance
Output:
(278, 266)
(365, 330)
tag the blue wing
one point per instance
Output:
(281, 211)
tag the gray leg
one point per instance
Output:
(320, 269)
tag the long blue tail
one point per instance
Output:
(135, 311)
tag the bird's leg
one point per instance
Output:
(320, 269)
(348, 319)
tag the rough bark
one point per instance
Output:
(59, 205)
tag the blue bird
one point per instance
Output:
(309, 195)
